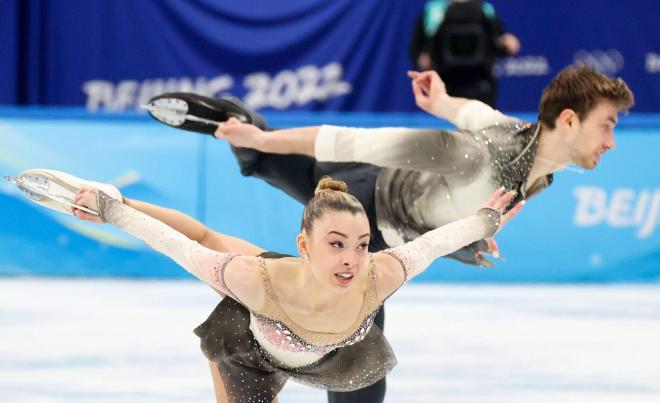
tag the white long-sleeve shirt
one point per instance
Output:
(432, 177)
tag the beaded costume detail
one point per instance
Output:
(284, 334)
(203, 263)
(415, 256)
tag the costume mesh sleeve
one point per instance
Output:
(417, 255)
(203, 263)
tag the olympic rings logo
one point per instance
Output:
(606, 61)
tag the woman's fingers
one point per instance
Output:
(494, 197)
(83, 215)
(504, 200)
(493, 248)
(500, 199)
(86, 198)
(80, 195)
(77, 199)
(513, 212)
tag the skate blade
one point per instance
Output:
(174, 112)
(35, 187)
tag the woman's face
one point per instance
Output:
(337, 248)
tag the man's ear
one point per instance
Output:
(566, 119)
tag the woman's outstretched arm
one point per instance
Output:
(227, 272)
(195, 230)
(402, 263)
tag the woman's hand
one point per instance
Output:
(499, 200)
(86, 197)
(240, 134)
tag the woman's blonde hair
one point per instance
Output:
(330, 195)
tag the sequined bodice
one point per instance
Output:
(286, 335)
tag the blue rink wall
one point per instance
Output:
(596, 226)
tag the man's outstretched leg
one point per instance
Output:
(371, 394)
(293, 174)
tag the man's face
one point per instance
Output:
(594, 135)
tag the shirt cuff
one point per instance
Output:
(324, 147)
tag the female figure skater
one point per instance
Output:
(307, 318)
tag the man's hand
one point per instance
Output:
(240, 134)
(428, 89)
(431, 95)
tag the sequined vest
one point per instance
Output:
(412, 202)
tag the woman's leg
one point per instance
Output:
(220, 391)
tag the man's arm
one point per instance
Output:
(466, 114)
(431, 96)
(427, 150)
(287, 141)
(395, 147)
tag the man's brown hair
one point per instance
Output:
(581, 88)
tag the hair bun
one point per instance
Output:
(330, 196)
(327, 183)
